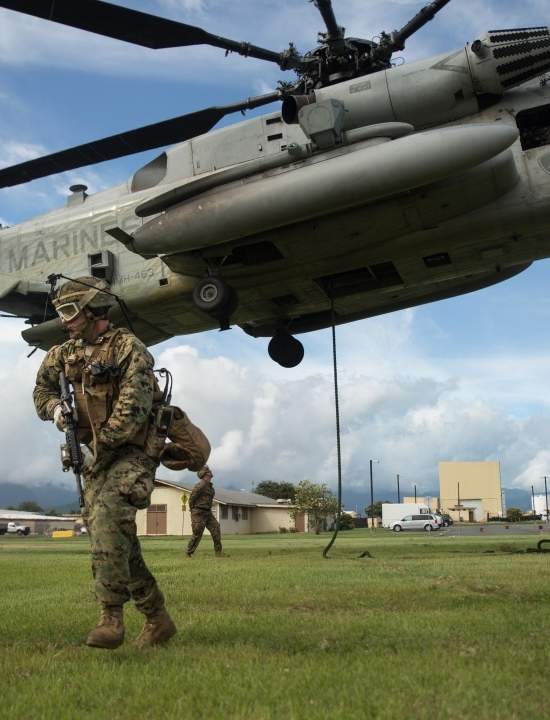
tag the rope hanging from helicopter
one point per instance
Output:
(338, 444)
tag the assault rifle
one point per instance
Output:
(71, 452)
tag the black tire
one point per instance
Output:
(20, 532)
(214, 296)
(428, 528)
(397, 528)
(285, 350)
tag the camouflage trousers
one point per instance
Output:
(112, 498)
(201, 519)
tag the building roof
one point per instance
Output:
(230, 497)
(23, 515)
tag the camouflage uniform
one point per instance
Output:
(200, 505)
(114, 401)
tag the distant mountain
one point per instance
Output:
(47, 496)
(65, 499)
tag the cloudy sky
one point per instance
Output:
(464, 379)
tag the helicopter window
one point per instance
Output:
(285, 301)
(277, 136)
(273, 120)
(253, 254)
(360, 280)
(437, 260)
(534, 127)
(151, 174)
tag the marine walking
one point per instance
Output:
(200, 505)
(111, 372)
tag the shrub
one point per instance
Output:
(283, 529)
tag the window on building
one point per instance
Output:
(223, 511)
(235, 513)
(244, 513)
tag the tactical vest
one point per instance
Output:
(94, 375)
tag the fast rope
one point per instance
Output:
(337, 410)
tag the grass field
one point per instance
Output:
(429, 627)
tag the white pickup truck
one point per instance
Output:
(14, 528)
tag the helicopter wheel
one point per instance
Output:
(285, 349)
(215, 297)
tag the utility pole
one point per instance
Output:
(398, 493)
(533, 498)
(371, 494)
(371, 497)
(546, 496)
(415, 494)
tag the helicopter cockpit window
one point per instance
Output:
(534, 127)
(151, 174)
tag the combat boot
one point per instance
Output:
(109, 632)
(158, 628)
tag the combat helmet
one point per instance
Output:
(80, 293)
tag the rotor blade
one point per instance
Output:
(145, 138)
(135, 27)
(335, 32)
(427, 13)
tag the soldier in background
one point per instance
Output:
(200, 505)
(111, 372)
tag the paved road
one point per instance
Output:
(497, 529)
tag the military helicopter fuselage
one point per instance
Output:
(409, 185)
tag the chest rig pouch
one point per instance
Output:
(94, 375)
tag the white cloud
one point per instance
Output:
(13, 151)
(186, 6)
(265, 423)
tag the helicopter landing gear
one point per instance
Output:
(285, 349)
(216, 298)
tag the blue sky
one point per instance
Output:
(463, 379)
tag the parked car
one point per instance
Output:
(426, 522)
(439, 520)
(447, 520)
(14, 528)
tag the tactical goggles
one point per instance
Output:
(68, 311)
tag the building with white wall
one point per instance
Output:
(541, 506)
(38, 523)
(238, 512)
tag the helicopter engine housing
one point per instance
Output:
(439, 90)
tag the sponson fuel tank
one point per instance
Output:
(321, 187)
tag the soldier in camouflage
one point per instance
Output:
(111, 372)
(200, 505)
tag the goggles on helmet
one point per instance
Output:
(68, 311)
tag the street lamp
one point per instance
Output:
(546, 496)
(372, 493)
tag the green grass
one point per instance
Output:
(430, 627)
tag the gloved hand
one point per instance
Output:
(58, 418)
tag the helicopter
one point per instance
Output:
(375, 187)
